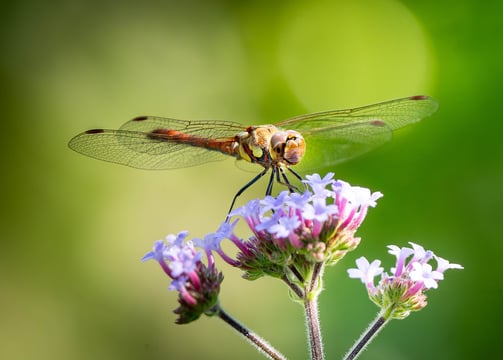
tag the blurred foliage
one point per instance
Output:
(74, 229)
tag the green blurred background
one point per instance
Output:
(74, 229)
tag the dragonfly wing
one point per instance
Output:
(202, 128)
(338, 144)
(394, 113)
(136, 149)
(132, 144)
(336, 136)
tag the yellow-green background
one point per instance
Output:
(73, 229)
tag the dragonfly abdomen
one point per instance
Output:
(227, 146)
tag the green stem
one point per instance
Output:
(296, 273)
(260, 344)
(294, 287)
(311, 310)
(366, 337)
(316, 277)
(313, 327)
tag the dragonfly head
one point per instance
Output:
(288, 147)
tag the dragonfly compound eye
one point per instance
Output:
(288, 146)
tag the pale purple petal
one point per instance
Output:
(319, 211)
(401, 255)
(425, 274)
(284, 227)
(365, 271)
(274, 203)
(443, 264)
(157, 251)
(318, 185)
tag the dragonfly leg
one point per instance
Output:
(296, 174)
(286, 182)
(274, 173)
(250, 183)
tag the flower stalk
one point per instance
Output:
(313, 326)
(259, 343)
(367, 336)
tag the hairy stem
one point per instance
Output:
(259, 343)
(312, 291)
(294, 287)
(366, 337)
(313, 327)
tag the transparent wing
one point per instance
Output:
(336, 136)
(133, 145)
(211, 129)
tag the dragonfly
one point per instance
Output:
(308, 141)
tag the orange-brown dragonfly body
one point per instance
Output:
(331, 137)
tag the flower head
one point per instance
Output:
(316, 226)
(198, 285)
(403, 289)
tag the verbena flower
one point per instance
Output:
(295, 229)
(402, 290)
(198, 285)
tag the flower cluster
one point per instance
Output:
(293, 229)
(198, 285)
(403, 289)
(293, 237)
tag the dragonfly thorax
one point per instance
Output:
(271, 147)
